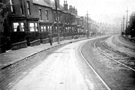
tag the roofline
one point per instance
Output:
(42, 5)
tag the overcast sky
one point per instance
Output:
(107, 11)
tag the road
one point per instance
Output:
(64, 69)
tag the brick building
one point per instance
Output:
(29, 22)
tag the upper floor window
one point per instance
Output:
(58, 17)
(21, 9)
(46, 14)
(55, 19)
(12, 6)
(40, 14)
(28, 7)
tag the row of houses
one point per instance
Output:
(29, 22)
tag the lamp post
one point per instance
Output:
(56, 3)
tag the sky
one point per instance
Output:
(106, 11)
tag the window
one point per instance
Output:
(48, 28)
(45, 28)
(55, 29)
(58, 17)
(12, 6)
(51, 29)
(36, 27)
(28, 7)
(21, 9)
(15, 25)
(40, 14)
(20, 25)
(46, 14)
(42, 28)
(55, 19)
(33, 27)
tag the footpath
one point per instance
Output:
(118, 43)
(118, 40)
(13, 56)
(126, 42)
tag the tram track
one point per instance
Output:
(91, 67)
(106, 47)
(115, 75)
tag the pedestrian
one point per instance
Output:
(18, 28)
(50, 40)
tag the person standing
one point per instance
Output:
(18, 28)
(50, 40)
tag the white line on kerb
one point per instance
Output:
(93, 69)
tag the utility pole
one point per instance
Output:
(56, 6)
(123, 23)
(127, 18)
(121, 26)
(87, 25)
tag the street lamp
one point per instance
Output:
(56, 3)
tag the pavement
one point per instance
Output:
(119, 40)
(13, 56)
(120, 44)
(126, 42)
